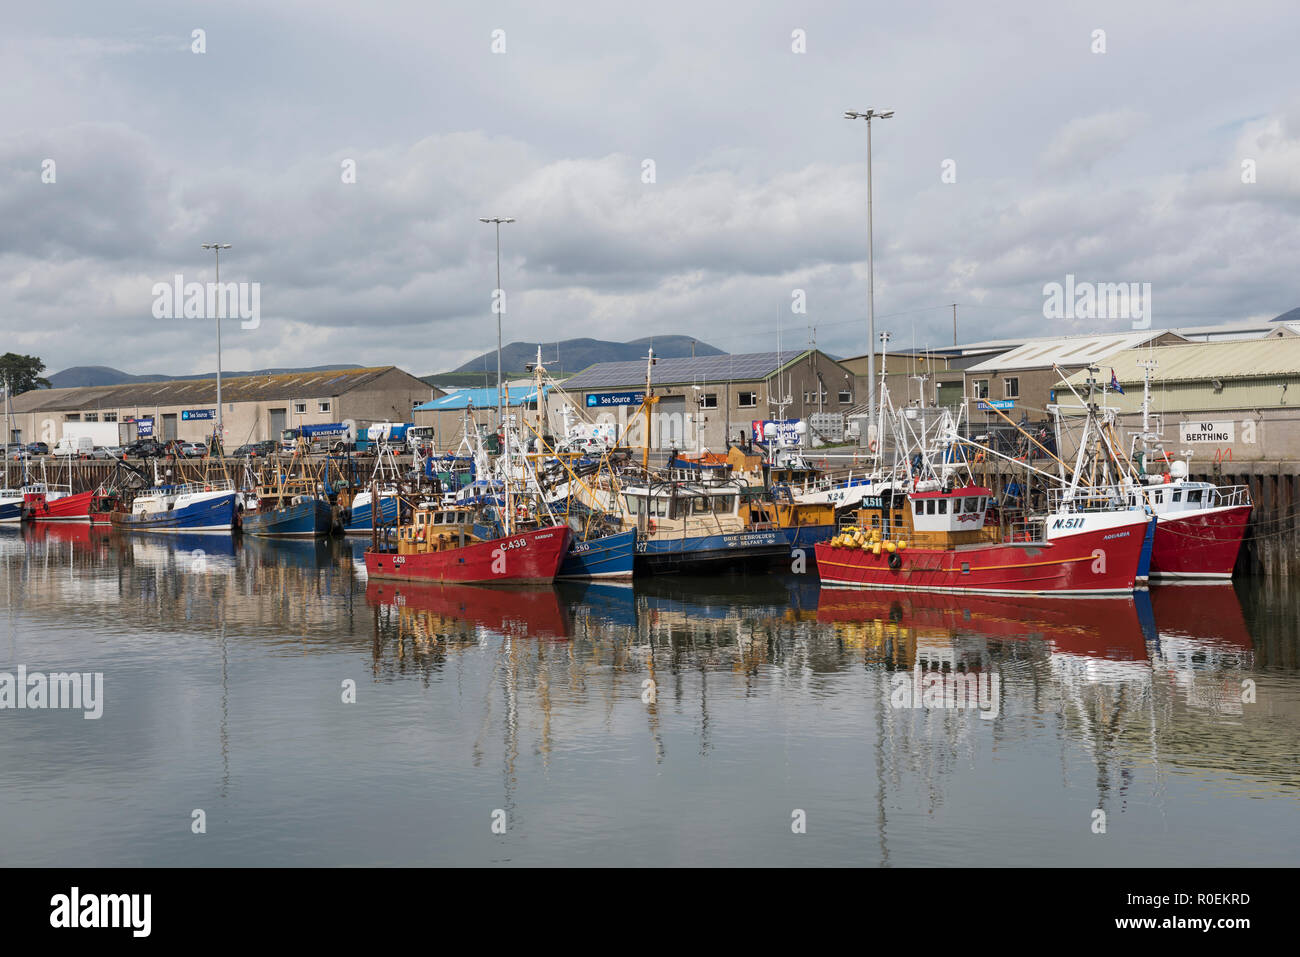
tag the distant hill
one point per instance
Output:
(83, 376)
(1292, 316)
(576, 354)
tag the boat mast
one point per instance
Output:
(649, 401)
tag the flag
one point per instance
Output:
(1114, 383)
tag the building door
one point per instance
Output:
(670, 424)
(169, 426)
(279, 422)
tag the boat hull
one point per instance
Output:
(610, 557)
(307, 519)
(216, 514)
(1096, 562)
(533, 556)
(363, 515)
(68, 508)
(1200, 545)
(11, 510)
(713, 553)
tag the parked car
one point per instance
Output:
(144, 449)
(16, 452)
(193, 450)
(255, 450)
(37, 448)
(107, 452)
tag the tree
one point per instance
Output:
(22, 373)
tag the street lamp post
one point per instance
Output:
(497, 221)
(869, 115)
(216, 249)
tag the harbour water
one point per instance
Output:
(739, 720)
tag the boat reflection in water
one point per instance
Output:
(427, 611)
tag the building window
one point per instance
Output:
(709, 400)
(1011, 388)
(324, 405)
(91, 417)
(846, 397)
(980, 388)
(74, 417)
(110, 416)
(299, 408)
(747, 400)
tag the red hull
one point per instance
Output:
(527, 557)
(1200, 545)
(527, 612)
(1092, 562)
(69, 508)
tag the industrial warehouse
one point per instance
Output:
(256, 408)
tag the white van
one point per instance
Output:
(74, 445)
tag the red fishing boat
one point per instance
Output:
(43, 505)
(938, 541)
(1199, 525)
(445, 545)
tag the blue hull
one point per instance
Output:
(11, 512)
(610, 557)
(309, 519)
(362, 514)
(1144, 560)
(213, 515)
(724, 552)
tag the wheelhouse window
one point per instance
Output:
(918, 507)
(943, 506)
(633, 504)
(1194, 495)
(724, 504)
(929, 506)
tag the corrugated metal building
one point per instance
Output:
(476, 409)
(1237, 399)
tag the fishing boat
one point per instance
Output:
(357, 508)
(938, 541)
(359, 517)
(1199, 525)
(292, 508)
(288, 505)
(11, 505)
(210, 507)
(446, 545)
(44, 504)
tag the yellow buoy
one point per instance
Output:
(902, 544)
(890, 547)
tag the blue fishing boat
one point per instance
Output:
(300, 516)
(606, 557)
(211, 507)
(11, 505)
(360, 516)
(713, 528)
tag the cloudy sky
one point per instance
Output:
(1116, 166)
